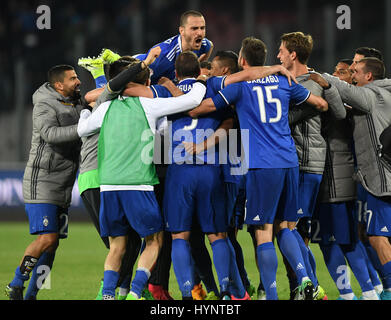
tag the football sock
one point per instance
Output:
(100, 81)
(125, 285)
(268, 263)
(386, 281)
(46, 259)
(221, 259)
(372, 271)
(386, 270)
(140, 281)
(22, 272)
(312, 260)
(110, 279)
(236, 285)
(202, 262)
(183, 266)
(336, 264)
(305, 252)
(290, 248)
(358, 265)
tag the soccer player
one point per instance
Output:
(186, 193)
(371, 103)
(374, 262)
(335, 211)
(306, 124)
(191, 37)
(272, 180)
(88, 180)
(127, 175)
(50, 174)
(364, 52)
(224, 64)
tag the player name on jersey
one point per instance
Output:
(266, 80)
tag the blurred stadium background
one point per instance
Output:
(83, 28)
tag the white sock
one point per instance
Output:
(123, 291)
(347, 296)
(370, 295)
(379, 289)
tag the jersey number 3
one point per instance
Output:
(269, 99)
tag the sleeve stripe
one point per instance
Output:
(223, 82)
(225, 99)
(308, 95)
(154, 89)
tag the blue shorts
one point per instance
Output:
(309, 184)
(194, 190)
(47, 218)
(271, 194)
(122, 210)
(334, 223)
(378, 217)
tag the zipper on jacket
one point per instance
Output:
(372, 134)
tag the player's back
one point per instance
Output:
(262, 106)
(185, 128)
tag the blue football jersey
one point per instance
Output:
(185, 128)
(164, 65)
(262, 106)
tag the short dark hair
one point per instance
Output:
(300, 43)
(185, 15)
(125, 62)
(206, 65)
(254, 51)
(346, 61)
(120, 65)
(375, 66)
(57, 73)
(187, 65)
(229, 59)
(369, 52)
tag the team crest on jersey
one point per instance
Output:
(45, 221)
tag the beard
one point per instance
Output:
(75, 95)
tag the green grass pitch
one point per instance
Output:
(78, 266)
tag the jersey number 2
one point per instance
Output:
(269, 99)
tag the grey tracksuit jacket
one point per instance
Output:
(337, 184)
(306, 126)
(372, 114)
(55, 149)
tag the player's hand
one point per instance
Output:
(202, 57)
(317, 77)
(203, 77)
(152, 55)
(167, 83)
(285, 72)
(192, 148)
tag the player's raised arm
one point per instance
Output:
(253, 73)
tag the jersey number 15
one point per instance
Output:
(269, 99)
